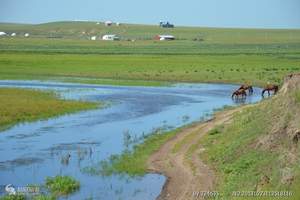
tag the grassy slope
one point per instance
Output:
(224, 55)
(19, 105)
(256, 151)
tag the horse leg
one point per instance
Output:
(262, 93)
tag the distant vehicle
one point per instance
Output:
(26, 34)
(2, 33)
(110, 37)
(164, 37)
(166, 25)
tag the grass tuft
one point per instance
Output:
(62, 185)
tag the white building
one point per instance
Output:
(164, 37)
(110, 37)
(26, 34)
(2, 33)
(93, 37)
(13, 34)
(108, 23)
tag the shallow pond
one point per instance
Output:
(29, 152)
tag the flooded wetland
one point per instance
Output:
(69, 144)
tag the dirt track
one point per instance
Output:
(179, 161)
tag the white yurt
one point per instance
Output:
(2, 33)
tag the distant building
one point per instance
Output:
(164, 37)
(93, 37)
(13, 34)
(2, 33)
(26, 34)
(108, 23)
(110, 37)
(166, 25)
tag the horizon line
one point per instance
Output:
(152, 24)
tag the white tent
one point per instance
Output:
(110, 37)
(2, 33)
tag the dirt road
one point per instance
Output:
(179, 161)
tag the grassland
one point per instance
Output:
(256, 151)
(240, 152)
(61, 51)
(22, 105)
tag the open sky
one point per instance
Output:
(212, 13)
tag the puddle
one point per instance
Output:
(65, 145)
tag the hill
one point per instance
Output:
(260, 149)
(84, 30)
(63, 51)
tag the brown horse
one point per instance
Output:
(247, 87)
(269, 88)
(238, 93)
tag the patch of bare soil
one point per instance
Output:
(187, 176)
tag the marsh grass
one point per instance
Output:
(62, 185)
(24, 105)
(44, 197)
(132, 163)
(13, 197)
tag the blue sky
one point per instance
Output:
(211, 13)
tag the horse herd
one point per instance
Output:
(241, 92)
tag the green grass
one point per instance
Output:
(24, 105)
(132, 163)
(255, 56)
(13, 197)
(146, 69)
(62, 185)
(43, 197)
(255, 145)
(74, 30)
